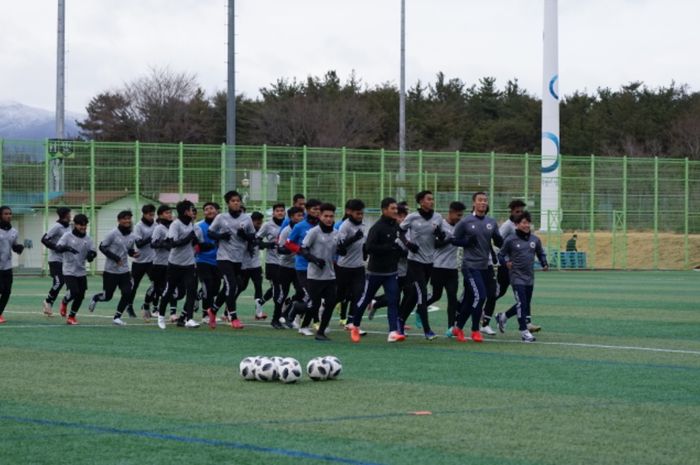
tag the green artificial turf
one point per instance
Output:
(613, 379)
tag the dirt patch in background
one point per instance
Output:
(639, 250)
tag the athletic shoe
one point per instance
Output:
(236, 324)
(147, 315)
(344, 322)
(259, 313)
(173, 318)
(502, 320)
(371, 310)
(419, 322)
(130, 311)
(226, 318)
(161, 322)
(322, 337)
(47, 309)
(180, 323)
(355, 334)
(448, 333)
(289, 324)
(212, 319)
(316, 326)
(476, 336)
(92, 305)
(458, 334)
(71, 320)
(430, 336)
(191, 324)
(306, 332)
(296, 324)
(527, 336)
(2, 320)
(487, 330)
(533, 328)
(118, 322)
(63, 309)
(395, 336)
(277, 325)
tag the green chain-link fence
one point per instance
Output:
(630, 213)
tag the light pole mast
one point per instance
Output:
(549, 202)
(231, 99)
(60, 70)
(402, 108)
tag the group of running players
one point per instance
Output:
(313, 262)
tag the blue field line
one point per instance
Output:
(187, 439)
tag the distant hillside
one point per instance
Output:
(19, 121)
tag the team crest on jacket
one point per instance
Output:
(532, 245)
(489, 226)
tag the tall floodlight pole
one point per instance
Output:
(231, 99)
(60, 70)
(549, 201)
(402, 108)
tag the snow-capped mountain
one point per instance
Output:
(18, 121)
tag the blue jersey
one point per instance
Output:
(208, 257)
(285, 222)
(338, 224)
(297, 236)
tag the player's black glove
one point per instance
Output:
(412, 247)
(319, 262)
(91, 255)
(17, 248)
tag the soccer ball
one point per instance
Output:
(335, 366)
(247, 368)
(265, 369)
(277, 360)
(318, 369)
(289, 371)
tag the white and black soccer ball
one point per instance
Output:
(318, 369)
(289, 370)
(277, 360)
(265, 369)
(335, 367)
(247, 368)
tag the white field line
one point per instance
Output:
(59, 323)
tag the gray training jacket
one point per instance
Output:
(146, 252)
(422, 234)
(269, 232)
(231, 250)
(479, 231)
(522, 251)
(7, 240)
(354, 258)
(321, 245)
(183, 255)
(74, 264)
(118, 244)
(446, 256)
(160, 234)
(286, 260)
(54, 234)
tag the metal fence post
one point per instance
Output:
(305, 156)
(222, 187)
(343, 174)
(93, 217)
(381, 173)
(181, 169)
(46, 199)
(526, 187)
(656, 213)
(492, 177)
(420, 170)
(591, 214)
(2, 143)
(264, 178)
(624, 212)
(456, 175)
(137, 175)
(686, 260)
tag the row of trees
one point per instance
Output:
(447, 114)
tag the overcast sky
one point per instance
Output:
(109, 42)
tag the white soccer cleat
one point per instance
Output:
(502, 320)
(395, 336)
(487, 330)
(191, 324)
(118, 322)
(527, 336)
(296, 324)
(306, 331)
(161, 322)
(371, 310)
(48, 311)
(92, 305)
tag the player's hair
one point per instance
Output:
(124, 214)
(298, 197)
(148, 208)
(213, 204)
(402, 210)
(421, 195)
(327, 207)
(3, 208)
(355, 205)
(476, 194)
(231, 194)
(457, 206)
(516, 203)
(523, 216)
(277, 205)
(294, 210)
(183, 206)
(80, 219)
(62, 212)
(386, 202)
(311, 203)
(255, 216)
(163, 208)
